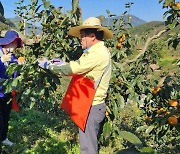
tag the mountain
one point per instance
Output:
(5, 23)
(135, 21)
(16, 20)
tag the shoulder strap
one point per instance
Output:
(106, 69)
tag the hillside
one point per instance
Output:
(15, 20)
(12, 23)
(148, 27)
(6, 24)
(135, 21)
(166, 56)
(151, 28)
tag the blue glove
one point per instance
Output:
(44, 63)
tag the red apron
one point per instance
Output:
(78, 99)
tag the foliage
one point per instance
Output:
(34, 83)
(173, 15)
(131, 85)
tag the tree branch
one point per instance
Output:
(145, 47)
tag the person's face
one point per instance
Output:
(86, 40)
(12, 46)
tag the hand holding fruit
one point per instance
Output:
(6, 57)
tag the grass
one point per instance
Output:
(167, 61)
(35, 132)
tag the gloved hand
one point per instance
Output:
(6, 57)
(44, 63)
(57, 61)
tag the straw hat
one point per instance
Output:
(9, 37)
(91, 22)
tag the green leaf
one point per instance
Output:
(115, 108)
(33, 101)
(15, 82)
(165, 14)
(8, 86)
(141, 128)
(27, 92)
(173, 24)
(64, 21)
(10, 70)
(149, 129)
(46, 4)
(38, 8)
(74, 5)
(120, 100)
(107, 129)
(102, 18)
(41, 92)
(131, 138)
(147, 150)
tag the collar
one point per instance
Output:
(1, 51)
(91, 49)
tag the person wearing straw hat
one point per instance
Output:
(8, 44)
(92, 63)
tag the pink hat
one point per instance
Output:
(9, 37)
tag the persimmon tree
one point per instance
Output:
(33, 83)
(130, 82)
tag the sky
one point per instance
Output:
(148, 10)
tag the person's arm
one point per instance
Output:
(81, 66)
(63, 69)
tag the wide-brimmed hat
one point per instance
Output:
(91, 22)
(9, 37)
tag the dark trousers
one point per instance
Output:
(5, 109)
(88, 138)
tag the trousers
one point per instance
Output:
(5, 109)
(88, 138)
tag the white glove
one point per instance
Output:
(6, 58)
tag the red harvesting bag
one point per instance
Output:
(78, 99)
(14, 104)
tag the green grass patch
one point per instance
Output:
(35, 132)
(167, 61)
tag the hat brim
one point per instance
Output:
(75, 31)
(6, 41)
